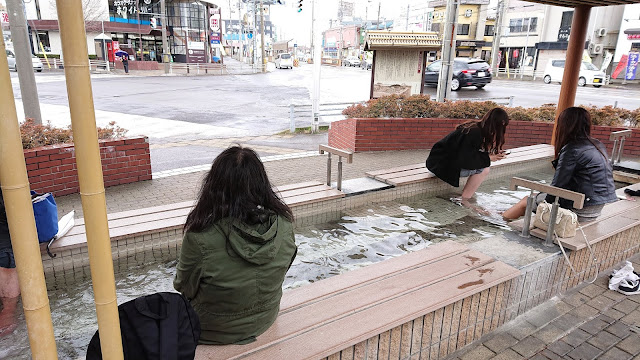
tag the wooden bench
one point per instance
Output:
(410, 174)
(323, 318)
(615, 218)
(127, 224)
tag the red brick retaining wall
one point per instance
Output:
(53, 168)
(411, 134)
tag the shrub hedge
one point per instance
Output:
(34, 135)
(420, 106)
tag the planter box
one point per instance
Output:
(360, 135)
(53, 168)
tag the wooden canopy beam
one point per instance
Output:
(573, 62)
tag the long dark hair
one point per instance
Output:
(235, 187)
(492, 126)
(574, 123)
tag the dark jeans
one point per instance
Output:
(126, 66)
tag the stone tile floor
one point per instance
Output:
(587, 322)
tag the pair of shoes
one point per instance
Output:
(628, 286)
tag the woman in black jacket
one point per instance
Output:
(469, 150)
(581, 165)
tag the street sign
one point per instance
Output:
(250, 36)
(153, 23)
(214, 22)
(4, 17)
(295, 45)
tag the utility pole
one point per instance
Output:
(341, 39)
(497, 33)
(317, 60)
(20, 38)
(406, 28)
(524, 54)
(253, 38)
(378, 21)
(313, 34)
(263, 59)
(241, 35)
(448, 51)
(165, 42)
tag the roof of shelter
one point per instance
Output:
(574, 3)
(377, 40)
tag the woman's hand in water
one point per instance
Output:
(496, 157)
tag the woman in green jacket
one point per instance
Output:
(237, 247)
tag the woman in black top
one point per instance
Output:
(469, 150)
(581, 165)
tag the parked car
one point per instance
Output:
(366, 64)
(589, 74)
(284, 60)
(466, 72)
(35, 61)
(351, 61)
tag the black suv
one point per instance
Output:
(466, 72)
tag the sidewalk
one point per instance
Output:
(586, 322)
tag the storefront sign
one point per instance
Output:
(125, 8)
(563, 33)
(632, 66)
(470, 43)
(4, 17)
(420, 57)
(195, 52)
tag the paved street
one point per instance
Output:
(175, 111)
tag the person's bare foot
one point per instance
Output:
(8, 315)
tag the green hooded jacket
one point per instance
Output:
(232, 273)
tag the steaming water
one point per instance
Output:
(361, 237)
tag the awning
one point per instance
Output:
(376, 40)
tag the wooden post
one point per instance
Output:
(573, 62)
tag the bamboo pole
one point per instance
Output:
(573, 62)
(83, 122)
(22, 226)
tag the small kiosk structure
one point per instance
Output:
(399, 60)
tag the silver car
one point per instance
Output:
(35, 61)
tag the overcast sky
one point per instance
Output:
(295, 25)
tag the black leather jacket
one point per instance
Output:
(580, 167)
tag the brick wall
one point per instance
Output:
(360, 135)
(53, 168)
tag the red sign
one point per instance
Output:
(4, 17)
(621, 65)
(516, 53)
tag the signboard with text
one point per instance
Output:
(4, 17)
(632, 66)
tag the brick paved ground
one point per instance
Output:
(588, 322)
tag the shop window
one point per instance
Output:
(463, 29)
(523, 25)
(489, 30)
(43, 38)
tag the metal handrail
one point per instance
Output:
(577, 198)
(340, 153)
(618, 138)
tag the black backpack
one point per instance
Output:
(157, 326)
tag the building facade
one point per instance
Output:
(134, 26)
(476, 22)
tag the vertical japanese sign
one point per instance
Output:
(4, 17)
(632, 66)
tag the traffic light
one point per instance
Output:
(300, 5)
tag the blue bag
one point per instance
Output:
(45, 212)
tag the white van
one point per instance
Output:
(284, 60)
(589, 74)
